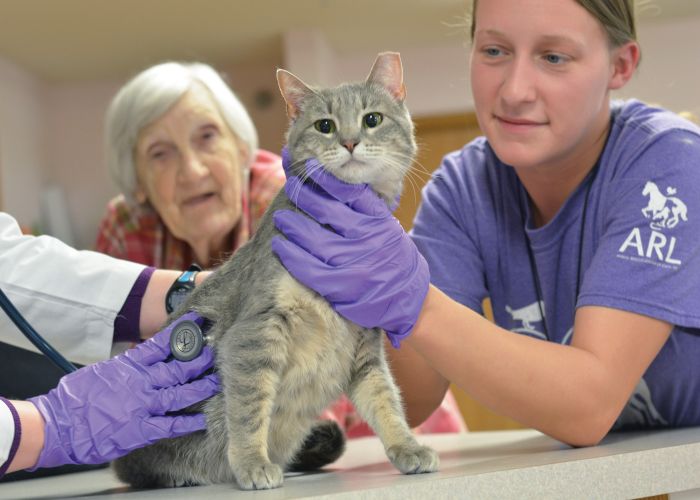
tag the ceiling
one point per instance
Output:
(71, 40)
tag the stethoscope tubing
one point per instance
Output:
(33, 336)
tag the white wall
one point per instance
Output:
(53, 133)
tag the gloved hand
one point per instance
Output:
(367, 267)
(105, 410)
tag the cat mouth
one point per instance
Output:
(352, 169)
(352, 163)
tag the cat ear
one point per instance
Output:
(388, 72)
(293, 90)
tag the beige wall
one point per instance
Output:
(669, 73)
(254, 84)
(76, 154)
(22, 149)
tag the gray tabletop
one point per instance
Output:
(503, 464)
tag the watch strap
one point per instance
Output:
(185, 280)
(189, 274)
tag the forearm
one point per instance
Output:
(153, 314)
(422, 387)
(561, 390)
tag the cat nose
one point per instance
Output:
(350, 145)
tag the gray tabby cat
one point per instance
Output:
(282, 353)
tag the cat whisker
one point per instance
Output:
(414, 175)
(421, 169)
(304, 175)
(414, 187)
(395, 163)
(414, 162)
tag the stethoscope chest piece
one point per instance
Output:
(186, 340)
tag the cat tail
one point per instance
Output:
(323, 445)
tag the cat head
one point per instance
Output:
(360, 132)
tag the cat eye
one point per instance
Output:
(371, 120)
(325, 126)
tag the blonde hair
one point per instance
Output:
(148, 96)
(690, 116)
(616, 17)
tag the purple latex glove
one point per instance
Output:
(105, 410)
(367, 267)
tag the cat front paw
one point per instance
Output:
(413, 459)
(260, 476)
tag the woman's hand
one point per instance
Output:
(351, 250)
(107, 409)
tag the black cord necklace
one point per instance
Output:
(579, 269)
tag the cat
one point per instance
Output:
(283, 354)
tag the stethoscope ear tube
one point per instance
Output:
(33, 336)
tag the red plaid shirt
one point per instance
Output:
(137, 233)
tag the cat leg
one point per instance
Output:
(251, 374)
(376, 398)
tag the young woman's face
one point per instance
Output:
(540, 75)
(189, 166)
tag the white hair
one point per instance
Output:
(148, 96)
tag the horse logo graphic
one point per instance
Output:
(640, 410)
(528, 315)
(665, 211)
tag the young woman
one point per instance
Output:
(574, 214)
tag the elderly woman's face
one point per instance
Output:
(189, 165)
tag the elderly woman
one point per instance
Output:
(184, 152)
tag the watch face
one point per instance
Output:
(177, 296)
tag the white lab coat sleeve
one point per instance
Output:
(70, 297)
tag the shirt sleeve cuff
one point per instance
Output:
(126, 324)
(17, 434)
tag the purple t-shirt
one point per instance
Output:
(635, 246)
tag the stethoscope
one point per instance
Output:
(187, 336)
(33, 336)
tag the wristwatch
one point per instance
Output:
(181, 288)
